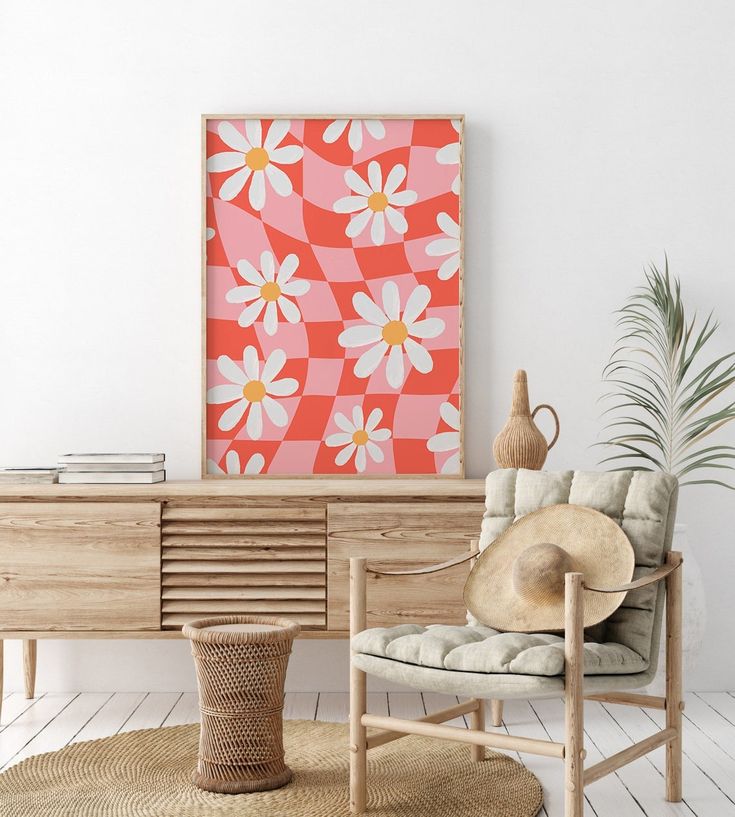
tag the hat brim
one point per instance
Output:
(598, 548)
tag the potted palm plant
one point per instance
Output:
(667, 397)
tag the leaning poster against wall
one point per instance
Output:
(332, 282)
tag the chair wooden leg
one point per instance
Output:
(496, 712)
(29, 666)
(573, 697)
(477, 721)
(358, 693)
(673, 678)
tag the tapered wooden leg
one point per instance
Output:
(673, 678)
(496, 712)
(573, 697)
(29, 666)
(477, 721)
(2, 657)
(358, 696)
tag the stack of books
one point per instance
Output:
(112, 468)
(28, 475)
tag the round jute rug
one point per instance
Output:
(148, 774)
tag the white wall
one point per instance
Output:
(598, 136)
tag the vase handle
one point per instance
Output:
(556, 420)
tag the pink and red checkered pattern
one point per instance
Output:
(304, 223)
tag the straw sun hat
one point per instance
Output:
(517, 583)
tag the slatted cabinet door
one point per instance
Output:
(91, 566)
(243, 560)
(401, 535)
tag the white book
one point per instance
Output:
(64, 459)
(126, 467)
(97, 477)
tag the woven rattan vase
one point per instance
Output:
(520, 444)
(241, 664)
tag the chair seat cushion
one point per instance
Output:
(479, 649)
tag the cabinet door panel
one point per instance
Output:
(244, 560)
(79, 566)
(396, 536)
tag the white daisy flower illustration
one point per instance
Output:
(268, 289)
(448, 246)
(390, 332)
(249, 388)
(252, 156)
(359, 438)
(210, 233)
(375, 201)
(447, 440)
(335, 129)
(232, 465)
(449, 155)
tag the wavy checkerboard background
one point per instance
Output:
(337, 267)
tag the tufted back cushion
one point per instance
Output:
(643, 503)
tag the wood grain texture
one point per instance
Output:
(477, 723)
(622, 758)
(247, 554)
(30, 652)
(311, 491)
(674, 677)
(574, 697)
(280, 545)
(176, 621)
(224, 541)
(358, 690)
(203, 581)
(264, 540)
(236, 606)
(205, 593)
(423, 534)
(248, 528)
(244, 566)
(80, 566)
(496, 740)
(629, 699)
(262, 513)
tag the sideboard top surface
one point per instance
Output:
(425, 488)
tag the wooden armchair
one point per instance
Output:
(574, 684)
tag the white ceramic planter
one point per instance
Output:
(694, 613)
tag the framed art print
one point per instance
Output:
(332, 283)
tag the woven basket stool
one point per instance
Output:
(241, 664)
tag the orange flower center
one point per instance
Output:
(270, 291)
(254, 391)
(395, 332)
(256, 158)
(360, 437)
(377, 202)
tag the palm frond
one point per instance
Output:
(659, 386)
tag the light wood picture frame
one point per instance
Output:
(332, 295)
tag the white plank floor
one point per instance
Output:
(54, 720)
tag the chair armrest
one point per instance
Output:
(417, 571)
(673, 562)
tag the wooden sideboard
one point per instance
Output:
(137, 561)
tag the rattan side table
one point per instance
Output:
(241, 664)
